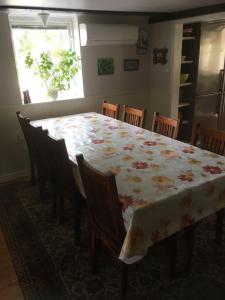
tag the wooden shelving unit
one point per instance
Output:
(185, 84)
(187, 62)
(188, 38)
(184, 104)
(187, 90)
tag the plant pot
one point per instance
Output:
(53, 94)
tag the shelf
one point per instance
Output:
(187, 62)
(184, 104)
(187, 38)
(185, 84)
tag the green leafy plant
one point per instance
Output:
(55, 75)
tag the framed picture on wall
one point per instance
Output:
(105, 66)
(142, 42)
(131, 65)
(160, 56)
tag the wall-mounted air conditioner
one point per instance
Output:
(108, 34)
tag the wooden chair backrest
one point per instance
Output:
(208, 139)
(165, 126)
(53, 158)
(110, 110)
(134, 116)
(23, 124)
(104, 207)
(60, 162)
(28, 135)
(33, 135)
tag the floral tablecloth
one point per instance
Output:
(163, 184)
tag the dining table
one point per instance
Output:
(164, 185)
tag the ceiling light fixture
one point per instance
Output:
(44, 18)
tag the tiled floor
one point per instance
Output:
(9, 286)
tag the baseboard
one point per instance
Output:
(14, 176)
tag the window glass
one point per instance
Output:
(48, 66)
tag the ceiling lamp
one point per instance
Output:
(44, 18)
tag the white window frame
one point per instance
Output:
(70, 21)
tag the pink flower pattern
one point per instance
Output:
(140, 165)
(98, 141)
(126, 201)
(213, 169)
(150, 143)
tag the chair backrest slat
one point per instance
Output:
(110, 110)
(165, 126)
(134, 116)
(209, 139)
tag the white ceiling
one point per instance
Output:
(116, 5)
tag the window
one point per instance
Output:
(47, 57)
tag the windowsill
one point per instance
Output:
(81, 97)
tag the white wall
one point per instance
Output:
(122, 87)
(8, 84)
(164, 79)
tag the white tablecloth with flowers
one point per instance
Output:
(163, 184)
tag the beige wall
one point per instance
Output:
(164, 79)
(8, 84)
(123, 87)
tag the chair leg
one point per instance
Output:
(219, 226)
(93, 253)
(123, 280)
(173, 244)
(61, 208)
(41, 180)
(77, 219)
(54, 200)
(32, 171)
(190, 238)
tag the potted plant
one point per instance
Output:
(57, 75)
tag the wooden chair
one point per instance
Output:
(165, 126)
(61, 172)
(23, 124)
(54, 166)
(134, 116)
(110, 110)
(208, 139)
(105, 214)
(106, 220)
(212, 140)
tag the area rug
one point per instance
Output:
(49, 266)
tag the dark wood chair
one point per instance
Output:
(110, 110)
(208, 139)
(106, 221)
(23, 124)
(54, 166)
(165, 126)
(105, 214)
(134, 116)
(212, 140)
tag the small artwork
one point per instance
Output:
(160, 56)
(105, 66)
(142, 43)
(131, 64)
